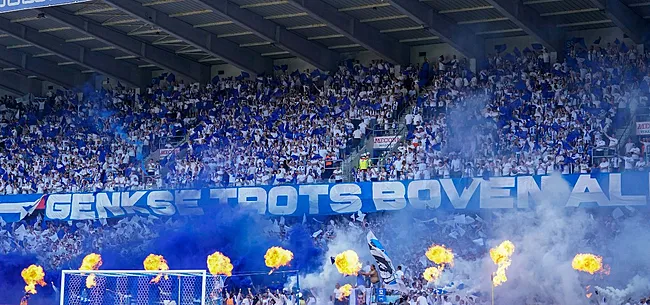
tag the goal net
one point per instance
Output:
(134, 287)
(172, 287)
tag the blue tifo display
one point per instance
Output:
(602, 190)
(17, 5)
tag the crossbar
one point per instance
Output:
(120, 273)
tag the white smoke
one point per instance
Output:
(321, 283)
(637, 288)
(546, 239)
(547, 236)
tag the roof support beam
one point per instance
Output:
(311, 52)
(100, 62)
(165, 59)
(363, 34)
(624, 18)
(227, 50)
(525, 17)
(18, 84)
(459, 37)
(42, 68)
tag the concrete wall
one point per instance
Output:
(47, 86)
(229, 70)
(608, 35)
(3, 93)
(157, 73)
(294, 63)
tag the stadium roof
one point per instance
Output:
(126, 39)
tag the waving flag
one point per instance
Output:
(12, 211)
(384, 264)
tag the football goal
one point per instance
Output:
(135, 287)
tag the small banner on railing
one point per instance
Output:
(164, 152)
(642, 128)
(386, 142)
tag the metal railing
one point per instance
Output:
(354, 159)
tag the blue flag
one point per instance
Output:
(517, 52)
(537, 46)
(171, 77)
(580, 41)
(624, 48)
(597, 41)
(500, 48)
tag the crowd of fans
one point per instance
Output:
(59, 144)
(293, 128)
(287, 128)
(518, 115)
(524, 116)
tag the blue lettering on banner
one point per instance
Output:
(16, 5)
(381, 295)
(604, 190)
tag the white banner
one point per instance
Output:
(642, 128)
(385, 142)
(164, 152)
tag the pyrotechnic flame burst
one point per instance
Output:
(345, 291)
(219, 264)
(432, 273)
(92, 261)
(155, 262)
(501, 256)
(440, 255)
(33, 275)
(347, 262)
(277, 257)
(590, 263)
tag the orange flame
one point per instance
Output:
(589, 294)
(590, 263)
(33, 275)
(347, 262)
(155, 262)
(219, 264)
(440, 255)
(277, 257)
(432, 273)
(345, 291)
(23, 301)
(92, 261)
(501, 256)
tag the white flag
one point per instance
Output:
(384, 264)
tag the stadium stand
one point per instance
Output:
(518, 113)
(526, 117)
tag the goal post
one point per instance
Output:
(136, 287)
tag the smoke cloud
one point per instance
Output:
(547, 236)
